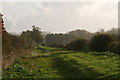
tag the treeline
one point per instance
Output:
(62, 39)
(82, 40)
(74, 35)
(99, 43)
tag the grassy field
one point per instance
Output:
(48, 62)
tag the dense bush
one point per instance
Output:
(11, 42)
(80, 44)
(56, 45)
(114, 47)
(100, 42)
(12, 48)
(7, 45)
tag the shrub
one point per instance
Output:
(114, 47)
(80, 44)
(56, 45)
(12, 48)
(7, 45)
(100, 42)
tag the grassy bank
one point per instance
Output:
(48, 62)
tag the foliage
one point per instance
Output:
(77, 34)
(114, 47)
(11, 43)
(36, 35)
(80, 44)
(67, 37)
(56, 45)
(6, 44)
(33, 37)
(26, 37)
(100, 42)
(55, 38)
(16, 46)
(12, 48)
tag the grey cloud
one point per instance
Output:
(61, 17)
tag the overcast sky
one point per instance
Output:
(60, 16)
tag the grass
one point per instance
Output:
(48, 62)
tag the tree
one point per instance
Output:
(100, 42)
(36, 29)
(33, 36)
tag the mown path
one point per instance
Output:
(47, 62)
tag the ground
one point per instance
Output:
(48, 62)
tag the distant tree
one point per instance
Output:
(36, 35)
(36, 29)
(80, 34)
(100, 42)
(33, 36)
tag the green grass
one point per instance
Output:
(48, 62)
